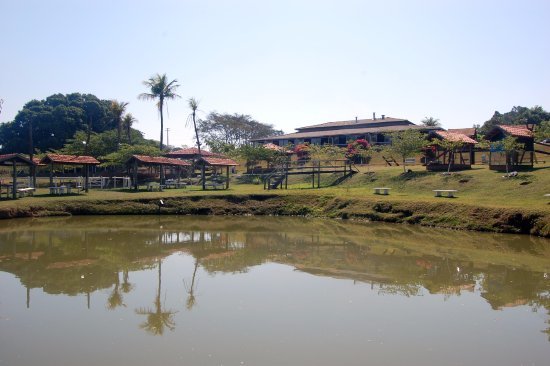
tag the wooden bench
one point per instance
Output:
(25, 191)
(382, 190)
(214, 185)
(450, 192)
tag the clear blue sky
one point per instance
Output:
(286, 62)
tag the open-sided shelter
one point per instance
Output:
(517, 159)
(15, 160)
(190, 153)
(81, 160)
(215, 163)
(459, 157)
(161, 162)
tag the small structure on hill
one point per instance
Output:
(502, 157)
(82, 160)
(14, 160)
(216, 165)
(454, 152)
(154, 161)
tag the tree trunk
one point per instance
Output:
(161, 102)
(196, 134)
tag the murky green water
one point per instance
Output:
(268, 291)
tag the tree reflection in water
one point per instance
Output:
(158, 318)
(191, 301)
(506, 270)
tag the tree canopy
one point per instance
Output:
(55, 120)
(517, 116)
(220, 130)
(406, 143)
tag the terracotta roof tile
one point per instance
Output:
(190, 151)
(6, 158)
(517, 131)
(470, 132)
(160, 160)
(219, 161)
(69, 159)
(453, 136)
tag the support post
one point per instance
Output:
(227, 177)
(203, 176)
(14, 180)
(135, 174)
(51, 174)
(87, 178)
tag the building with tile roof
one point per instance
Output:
(374, 130)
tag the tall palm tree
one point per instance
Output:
(194, 105)
(160, 88)
(127, 123)
(117, 109)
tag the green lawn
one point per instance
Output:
(478, 186)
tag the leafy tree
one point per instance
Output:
(326, 152)
(218, 130)
(53, 121)
(517, 116)
(510, 146)
(253, 154)
(100, 144)
(194, 105)
(406, 143)
(542, 131)
(431, 122)
(162, 89)
(124, 153)
(117, 110)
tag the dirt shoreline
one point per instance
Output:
(441, 214)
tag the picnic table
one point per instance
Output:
(382, 190)
(450, 193)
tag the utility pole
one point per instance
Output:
(167, 138)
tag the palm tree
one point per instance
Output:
(194, 105)
(431, 122)
(127, 123)
(162, 90)
(117, 109)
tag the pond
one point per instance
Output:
(148, 290)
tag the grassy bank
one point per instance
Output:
(485, 201)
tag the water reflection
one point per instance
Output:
(81, 256)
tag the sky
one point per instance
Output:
(289, 63)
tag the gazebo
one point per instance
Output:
(191, 153)
(498, 158)
(161, 162)
(215, 163)
(58, 159)
(14, 160)
(459, 158)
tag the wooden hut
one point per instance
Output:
(215, 164)
(80, 160)
(520, 159)
(438, 158)
(154, 161)
(14, 160)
